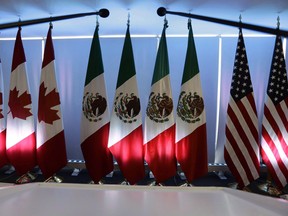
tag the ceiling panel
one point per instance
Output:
(143, 16)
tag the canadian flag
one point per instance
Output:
(20, 137)
(51, 150)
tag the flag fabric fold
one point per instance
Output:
(95, 116)
(159, 135)
(241, 149)
(191, 138)
(3, 156)
(20, 132)
(51, 147)
(274, 140)
(126, 134)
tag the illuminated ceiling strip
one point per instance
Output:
(140, 36)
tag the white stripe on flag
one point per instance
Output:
(90, 127)
(183, 128)
(272, 134)
(119, 129)
(284, 107)
(153, 129)
(242, 146)
(275, 139)
(243, 122)
(273, 161)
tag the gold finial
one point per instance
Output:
(128, 19)
(278, 22)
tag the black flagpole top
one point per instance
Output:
(103, 12)
(161, 11)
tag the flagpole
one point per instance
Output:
(102, 13)
(162, 12)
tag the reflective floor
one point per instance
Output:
(212, 179)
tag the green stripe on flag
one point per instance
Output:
(162, 63)
(127, 65)
(95, 64)
(191, 67)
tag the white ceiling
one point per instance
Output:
(143, 16)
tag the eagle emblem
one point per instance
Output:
(190, 107)
(160, 106)
(127, 107)
(93, 106)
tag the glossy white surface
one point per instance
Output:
(48, 199)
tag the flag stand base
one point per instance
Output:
(154, 183)
(26, 178)
(187, 184)
(99, 182)
(270, 189)
(235, 186)
(125, 182)
(54, 179)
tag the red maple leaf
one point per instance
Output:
(46, 102)
(17, 104)
(1, 103)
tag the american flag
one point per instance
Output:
(241, 150)
(274, 142)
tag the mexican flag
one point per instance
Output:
(20, 134)
(191, 140)
(51, 149)
(95, 117)
(3, 156)
(159, 137)
(126, 136)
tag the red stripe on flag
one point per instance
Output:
(23, 154)
(233, 168)
(271, 169)
(128, 153)
(242, 159)
(160, 155)
(242, 134)
(274, 126)
(237, 148)
(98, 158)
(191, 153)
(52, 155)
(270, 142)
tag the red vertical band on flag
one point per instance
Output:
(191, 155)
(3, 156)
(130, 160)
(100, 164)
(160, 152)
